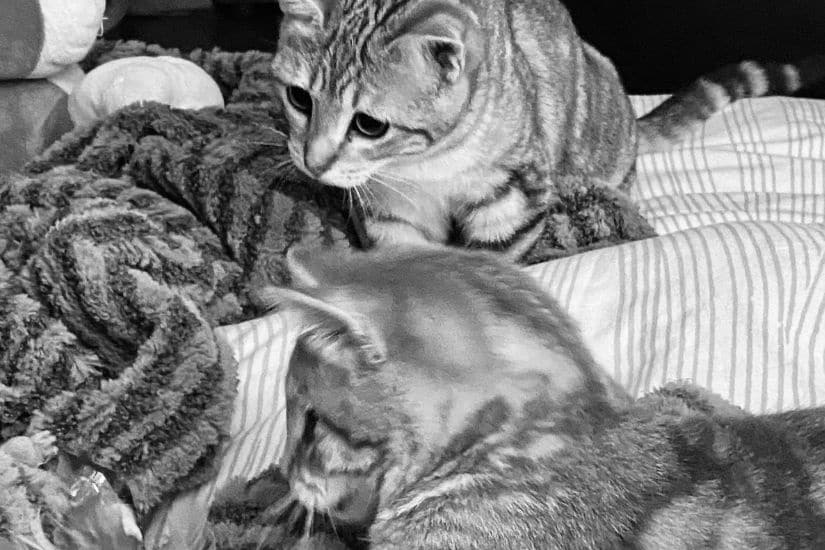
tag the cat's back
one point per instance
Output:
(574, 90)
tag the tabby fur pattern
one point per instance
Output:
(439, 399)
(459, 121)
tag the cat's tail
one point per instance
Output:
(682, 113)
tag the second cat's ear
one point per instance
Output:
(309, 12)
(318, 318)
(448, 34)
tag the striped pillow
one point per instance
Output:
(731, 295)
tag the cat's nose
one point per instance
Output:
(319, 155)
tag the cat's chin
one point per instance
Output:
(331, 180)
(348, 500)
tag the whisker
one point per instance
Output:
(264, 142)
(280, 509)
(272, 129)
(308, 522)
(368, 191)
(348, 199)
(327, 511)
(294, 516)
(364, 198)
(265, 532)
(394, 189)
(398, 179)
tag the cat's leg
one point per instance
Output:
(394, 231)
(404, 220)
(511, 219)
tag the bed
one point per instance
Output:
(730, 295)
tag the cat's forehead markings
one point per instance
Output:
(317, 81)
(346, 51)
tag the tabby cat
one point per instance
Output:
(439, 399)
(456, 120)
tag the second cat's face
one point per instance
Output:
(408, 358)
(367, 84)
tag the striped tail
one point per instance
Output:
(684, 112)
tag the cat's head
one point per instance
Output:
(408, 358)
(367, 83)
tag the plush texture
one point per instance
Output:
(168, 80)
(39, 38)
(125, 243)
(663, 473)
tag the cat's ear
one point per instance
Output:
(448, 34)
(316, 317)
(309, 12)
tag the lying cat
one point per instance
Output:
(459, 121)
(439, 399)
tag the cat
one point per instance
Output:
(457, 121)
(439, 399)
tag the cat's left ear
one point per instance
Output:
(449, 35)
(311, 12)
(317, 317)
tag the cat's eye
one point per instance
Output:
(300, 99)
(368, 126)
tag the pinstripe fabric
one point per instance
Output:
(731, 296)
(733, 307)
(262, 348)
(761, 159)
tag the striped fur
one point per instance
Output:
(683, 113)
(492, 108)
(470, 362)
(484, 423)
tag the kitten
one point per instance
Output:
(456, 121)
(439, 399)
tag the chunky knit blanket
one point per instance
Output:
(126, 243)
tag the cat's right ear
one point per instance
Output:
(317, 317)
(310, 13)
(449, 33)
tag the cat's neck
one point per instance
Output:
(576, 493)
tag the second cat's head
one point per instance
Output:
(368, 84)
(408, 358)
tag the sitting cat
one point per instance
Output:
(439, 399)
(460, 122)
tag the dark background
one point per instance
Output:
(657, 45)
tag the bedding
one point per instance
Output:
(127, 242)
(730, 295)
